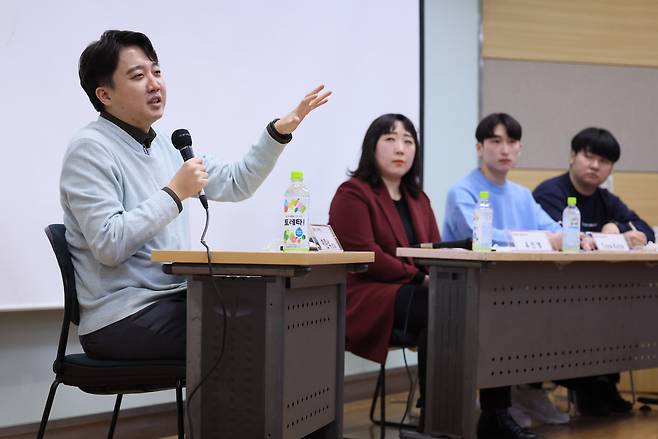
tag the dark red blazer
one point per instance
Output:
(365, 219)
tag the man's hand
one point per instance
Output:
(610, 228)
(587, 243)
(190, 178)
(635, 238)
(556, 240)
(311, 101)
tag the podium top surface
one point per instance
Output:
(514, 256)
(262, 257)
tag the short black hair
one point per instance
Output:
(100, 59)
(367, 169)
(486, 127)
(597, 141)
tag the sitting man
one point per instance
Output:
(122, 189)
(594, 151)
(498, 147)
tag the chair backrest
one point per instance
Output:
(56, 236)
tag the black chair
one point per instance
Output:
(103, 377)
(398, 340)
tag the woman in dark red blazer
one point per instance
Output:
(381, 207)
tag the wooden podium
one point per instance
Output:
(498, 319)
(281, 372)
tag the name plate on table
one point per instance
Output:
(610, 242)
(325, 238)
(531, 241)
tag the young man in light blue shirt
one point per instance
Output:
(498, 148)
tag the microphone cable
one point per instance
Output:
(224, 326)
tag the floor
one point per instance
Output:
(639, 425)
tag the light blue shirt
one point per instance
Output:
(116, 213)
(513, 206)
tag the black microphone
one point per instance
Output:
(462, 243)
(182, 141)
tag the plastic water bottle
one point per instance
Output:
(571, 227)
(295, 214)
(483, 224)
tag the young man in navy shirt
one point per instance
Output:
(594, 151)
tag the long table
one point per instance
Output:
(504, 318)
(281, 372)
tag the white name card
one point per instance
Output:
(325, 238)
(610, 242)
(531, 241)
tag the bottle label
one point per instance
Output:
(295, 224)
(482, 229)
(572, 222)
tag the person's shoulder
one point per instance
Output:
(351, 191)
(355, 184)
(465, 190)
(90, 139)
(517, 187)
(553, 184)
(467, 183)
(422, 196)
(520, 193)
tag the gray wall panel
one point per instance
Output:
(554, 101)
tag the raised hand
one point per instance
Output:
(311, 101)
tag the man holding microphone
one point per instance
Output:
(122, 186)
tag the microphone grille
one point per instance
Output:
(181, 138)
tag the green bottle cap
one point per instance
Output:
(297, 176)
(571, 201)
(484, 195)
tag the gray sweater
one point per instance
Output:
(116, 213)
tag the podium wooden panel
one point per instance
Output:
(498, 319)
(283, 319)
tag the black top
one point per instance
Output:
(142, 138)
(596, 210)
(405, 217)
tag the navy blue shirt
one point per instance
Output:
(596, 210)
